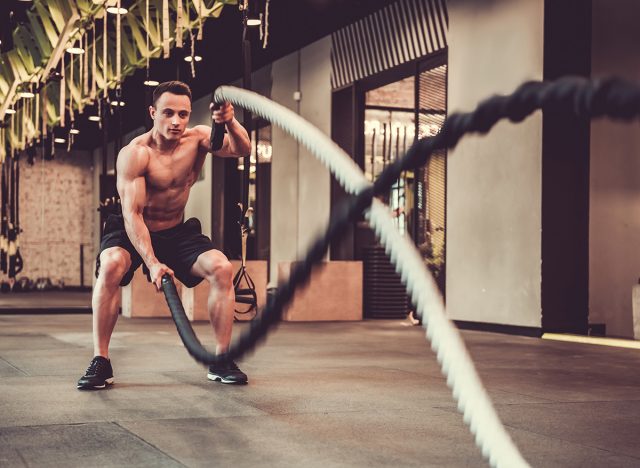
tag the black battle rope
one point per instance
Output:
(579, 97)
(217, 132)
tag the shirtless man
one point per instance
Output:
(155, 174)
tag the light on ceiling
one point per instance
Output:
(188, 58)
(75, 50)
(74, 131)
(10, 111)
(94, 118)
(253, 22)
(26, 94)
(115, 11)
(59, 140)
(151, 83)
(118, 103)
(54, 76)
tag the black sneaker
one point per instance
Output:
(99, 374)
(227, 372)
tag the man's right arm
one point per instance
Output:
(132, 166)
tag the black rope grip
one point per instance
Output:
(217, 133)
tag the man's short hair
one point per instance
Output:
(173, 87)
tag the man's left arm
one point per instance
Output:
(236, 141)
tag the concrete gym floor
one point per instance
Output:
(320, 395)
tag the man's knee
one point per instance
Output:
(218, 270)
(114, 264)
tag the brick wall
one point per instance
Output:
(396, 94)
(56, 215)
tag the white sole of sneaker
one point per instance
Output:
(99, 387)
(217, 378)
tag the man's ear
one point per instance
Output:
(152, 112)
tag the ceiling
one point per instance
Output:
(292, 25)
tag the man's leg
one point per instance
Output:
(217, 270)
(114, 264)
(213, 266)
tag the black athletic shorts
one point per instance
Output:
(177, 247)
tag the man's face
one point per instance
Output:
(171, 115)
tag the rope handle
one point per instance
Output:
(217, 132)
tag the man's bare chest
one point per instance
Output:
(173, 169)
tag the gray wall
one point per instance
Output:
(300, 189)
(314, 179)
(494, 181)
(284, 169)
(614, 231)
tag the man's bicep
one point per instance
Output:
(225, 150)
(131, 182)
(132, 194)
(204, 138)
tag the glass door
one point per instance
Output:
(389, 130)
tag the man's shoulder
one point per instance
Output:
(134, 157)
(137, 148)
(200, 130)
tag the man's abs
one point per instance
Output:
(165, 209)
